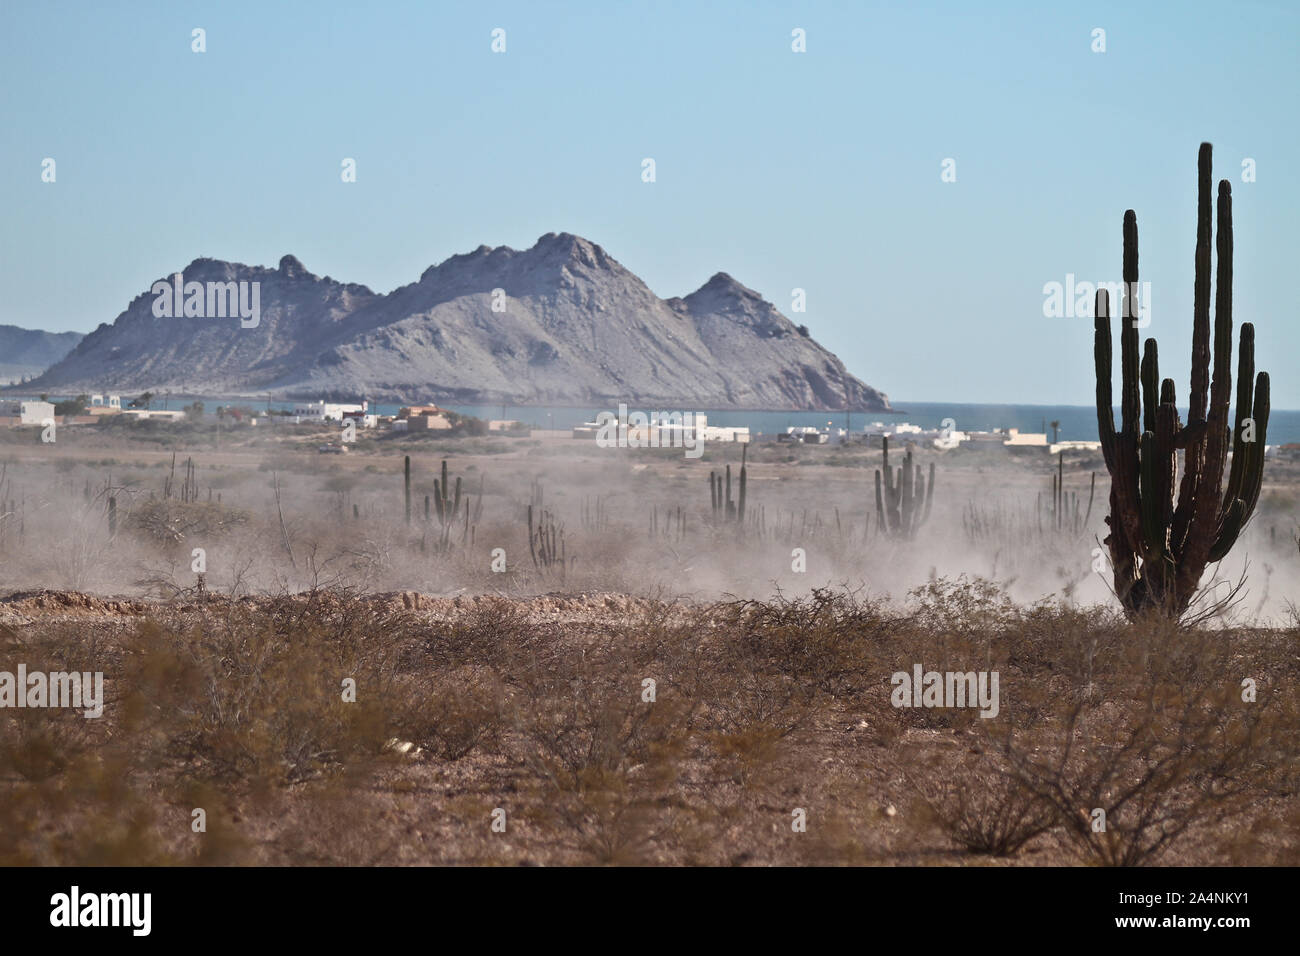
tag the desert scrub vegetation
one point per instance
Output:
(607, 729)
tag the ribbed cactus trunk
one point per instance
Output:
(1160, 547)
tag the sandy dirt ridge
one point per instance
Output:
(29, 607)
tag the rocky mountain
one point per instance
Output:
(560, 323)
(25, 352)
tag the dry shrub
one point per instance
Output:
(604, 759)
(769, 663)
(169, 520)
(333, 822)
(934, 636)
(452, 714)
(980, 807)
(613, 817)
(582, 720)
(259, 693)
(1154, 733)
(493, 632)
(37, 744)
(829, 640)
(971, 605)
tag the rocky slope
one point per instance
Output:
(569, 325)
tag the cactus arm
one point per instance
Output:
(1130, 393)
(929, 494)
(1150, 384)
(907, 493)
(1152, 531)
(1201, 291)
(1102, 361)
(1164, 467)
(1194, 438)
(880, 505)
(1233, 520)
(1253, 480)
(1245, 399)
(740, 504)
(1102, 350)
(1127, 461)
(1206, 516)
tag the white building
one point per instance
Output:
(362, 419)
(1025, 439)
(733, 433)
(27, 413)
(156, 414)
(114, 401)
(327, 411)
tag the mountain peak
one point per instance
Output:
(292, 268)
(721, 286)
(722, 280)
(567, 246)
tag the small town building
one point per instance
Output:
(327, 411)
(154, 414)
(27, 413)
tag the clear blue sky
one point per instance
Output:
(818, 170)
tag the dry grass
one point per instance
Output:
(541, 709)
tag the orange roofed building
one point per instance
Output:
(424, 416)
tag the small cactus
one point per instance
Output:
(724, 506)
(903, 498)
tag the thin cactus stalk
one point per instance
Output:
(407, 485)
(1160, 548)
(740, 503)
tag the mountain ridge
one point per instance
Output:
(26, 352)
(562, 322)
